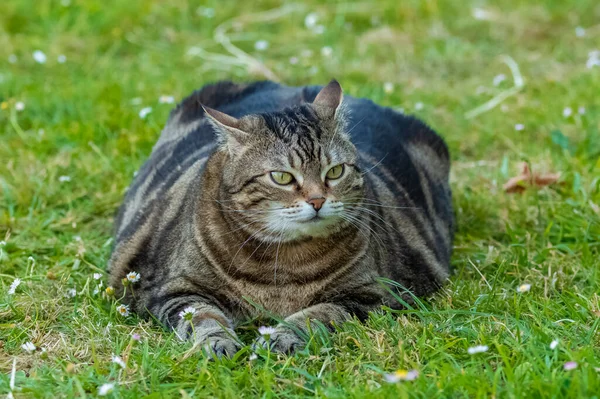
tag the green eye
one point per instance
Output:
(336, 172)
(282, 178)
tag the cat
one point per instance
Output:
(290, 201)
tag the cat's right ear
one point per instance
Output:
(228, 129)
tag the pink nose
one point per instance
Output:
(316, 203)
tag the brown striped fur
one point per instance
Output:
(206, 227)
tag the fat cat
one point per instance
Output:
(295, 201)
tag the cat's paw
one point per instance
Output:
(283, 340)
(220, 346)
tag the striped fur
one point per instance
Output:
(194, 220)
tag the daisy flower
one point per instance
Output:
(519, 127)
(524, 288)
(28, 347)
(554, 344)
(570, 366)
(401, 375)
(310, 21)
(580, 31)
(13, 286)
(20, 106)
(39, 56)
(499, 79)
(97, 276)
(61, 59)
(567, 112)
(110, 291)
(123, 310)
(253, 356)
(266, 331)
(133, 277)
(261, 45)
(144, 112)
(71, 292)
(166, 99)
(326, 51)
(118, 360)
(581, 110)
(64, 179)
(105, 389)
(187, 313)
(477, 349)
(388, 87)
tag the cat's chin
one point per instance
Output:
(317, 227)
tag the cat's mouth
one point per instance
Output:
(313, 219)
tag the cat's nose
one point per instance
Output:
(316, 203)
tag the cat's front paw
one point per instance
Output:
(282, 340)
(220, 346)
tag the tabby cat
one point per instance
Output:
(288, 201)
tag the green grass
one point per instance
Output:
(81, 120)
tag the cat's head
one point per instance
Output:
(290, 174)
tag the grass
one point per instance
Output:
(81, 120)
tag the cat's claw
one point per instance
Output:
(220, 347)
(284, 340)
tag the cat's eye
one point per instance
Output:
(336, 172)
(282, 178)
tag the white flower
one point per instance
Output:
(581, 110)
(61, 59)
(12, 59)
(105, 389)
(481, 14)
(123, 310)
(39, 57)
(253, 356)
(2, 243)
(310, 21)
(28, 347)
(13, 286)
(118, 360)
(419, 106)
(261, 45)
(477, 349)
(593, 59)
(319, 29)
(570, 366)
(187, 313)
(71, 292)
(20, 106)
(326, 51)
(554, 344)
(567, 112)
(97, 276)
(63, 179)
(133, 277)
(580, 31)
(145, 111)
(524, 288)
(388, 87)
(164, 99)
(294, 60)
(519, 127)
(499, 79)
(402, 375)
(266, 331)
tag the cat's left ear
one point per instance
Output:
(330, 98)
(228, 128)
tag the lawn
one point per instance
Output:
(86, 86)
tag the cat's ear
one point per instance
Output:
(228, 128)
(330, 97)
